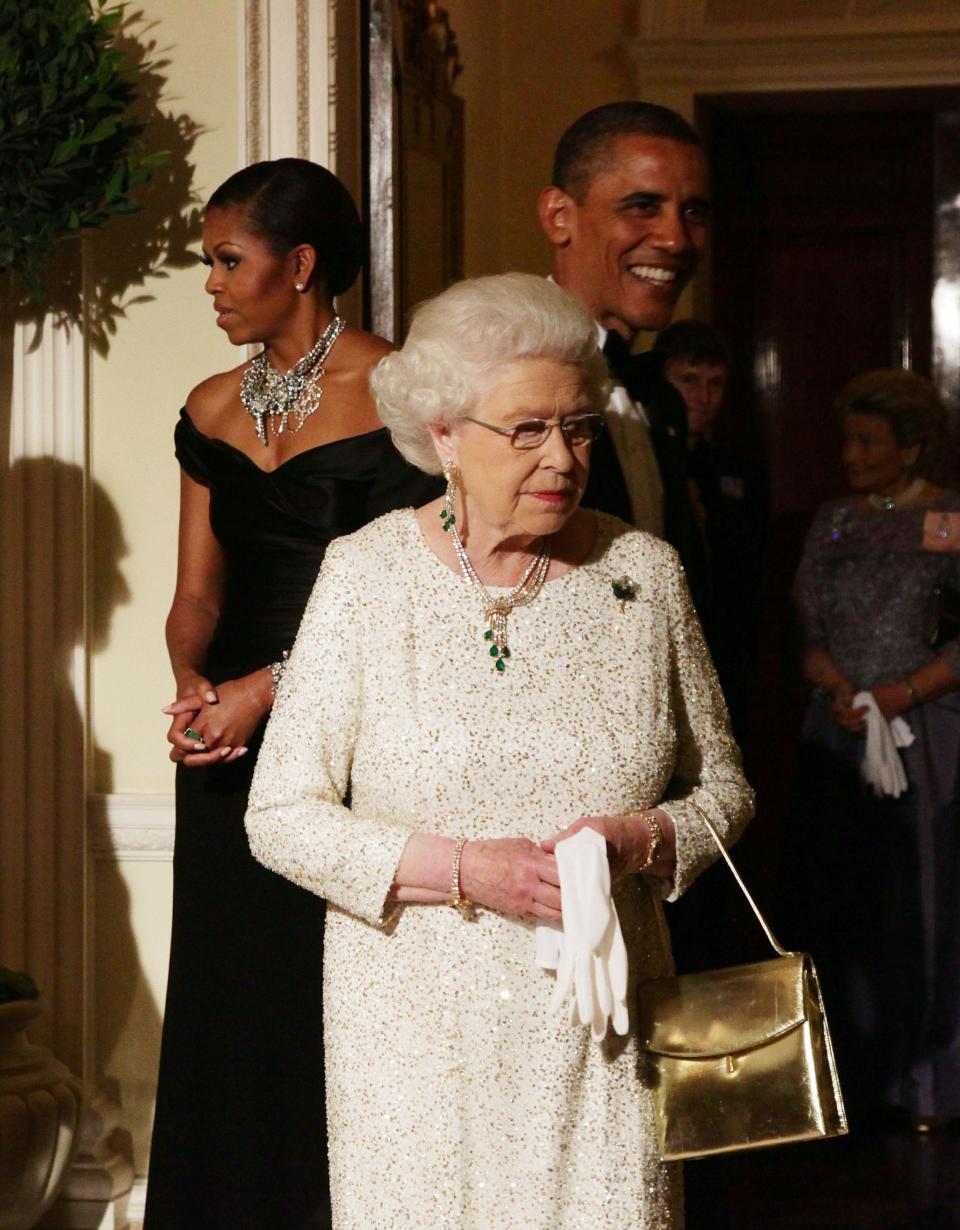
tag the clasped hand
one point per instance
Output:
(626, 840)
(513, 875)
(225, 717)
(892, 700)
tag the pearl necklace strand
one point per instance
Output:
(496, 610)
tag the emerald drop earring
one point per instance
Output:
(452, 475)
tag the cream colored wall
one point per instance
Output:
(160, 349)
(131, 943)
(530, 71)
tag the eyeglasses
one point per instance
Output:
(531, 433)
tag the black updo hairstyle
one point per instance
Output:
(291, 201)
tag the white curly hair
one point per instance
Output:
(459, 340)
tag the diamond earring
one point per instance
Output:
(452, 475)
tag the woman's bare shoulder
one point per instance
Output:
(214, 398)
(364, 350)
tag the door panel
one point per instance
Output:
(822, 269)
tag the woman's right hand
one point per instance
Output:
(844, 713)
(512, 876)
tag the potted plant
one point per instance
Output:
(40, 1104)
(70, 156)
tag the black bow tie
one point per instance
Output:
(616, 351)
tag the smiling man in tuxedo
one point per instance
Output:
(627, 215)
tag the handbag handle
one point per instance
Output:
(783, 952)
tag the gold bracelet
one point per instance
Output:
(460, 904)
(654, 843)
(911, 691)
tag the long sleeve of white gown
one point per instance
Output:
(296, 822)
(707, 773)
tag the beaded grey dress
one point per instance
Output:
(455, 1099)
(875, 882)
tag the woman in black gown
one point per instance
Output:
(270, 473)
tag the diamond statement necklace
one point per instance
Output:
(286, 401)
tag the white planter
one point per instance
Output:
(40, 1103)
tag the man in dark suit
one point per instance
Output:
(627, 216)
(733, 495)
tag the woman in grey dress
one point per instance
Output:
(876, 878)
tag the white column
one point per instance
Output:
(45, 905)
(287, 57)
(43, 676)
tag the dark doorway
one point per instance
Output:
(836, 217)
(831, 220)
(824, 260)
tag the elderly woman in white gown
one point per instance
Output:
(468, 688)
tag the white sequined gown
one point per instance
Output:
(455, 1100)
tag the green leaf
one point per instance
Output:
(67, 150)
(70, 157)
(114, 183)
(106, 128)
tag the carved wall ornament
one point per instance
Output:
(430, 45)
(414, 159)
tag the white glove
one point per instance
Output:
(881, 766)
(588, 953)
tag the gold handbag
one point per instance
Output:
(742, 1056)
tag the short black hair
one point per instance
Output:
(290, 201)
(583, 147)
(695, 341)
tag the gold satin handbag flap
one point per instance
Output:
(723, 1011)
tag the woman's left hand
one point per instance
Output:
(230, 722)
(892, 699)
(627, 838)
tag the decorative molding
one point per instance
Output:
(303, 79)
(414, 139)
(707, 65)
(333, 80)
(132, 827)
(289, 81)
(430, 46)
(787, 19)
(382, 290)
(252, 36)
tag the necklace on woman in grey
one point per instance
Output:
(276, 397)
(890, 503)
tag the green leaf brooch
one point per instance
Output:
(624, 590)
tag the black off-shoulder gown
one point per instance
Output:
(239, 1138)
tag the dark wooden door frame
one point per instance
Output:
(409, 63)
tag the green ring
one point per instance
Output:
(192, 734)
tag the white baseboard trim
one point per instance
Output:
(131, 827)
(137, 1203)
